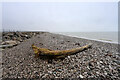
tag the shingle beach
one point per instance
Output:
(102, 60)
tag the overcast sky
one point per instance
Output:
(60, 17)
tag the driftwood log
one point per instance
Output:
(57, 53)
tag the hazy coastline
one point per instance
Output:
(109, 37)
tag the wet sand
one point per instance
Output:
(102, 60)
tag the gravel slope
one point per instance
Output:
(102, 60)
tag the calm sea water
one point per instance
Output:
(111, 37)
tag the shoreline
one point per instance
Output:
(94, 40)
(37, 32)
(102, 60)
(101, 39)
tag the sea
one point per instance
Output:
(109, 37)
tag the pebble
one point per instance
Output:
(98, 63)
(117, 61)
(97, 73)
(110, 67)
(101, 62)
(105, 73)
(44, 76)
(85, 73)
(77, 44)
(48, 65)
(50, 72)
(88, 67)
(81, 76)
(68, 56)
(91, 64)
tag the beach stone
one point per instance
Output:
(101, 62)
(81, 76)
(6, 37)
(91, 64)
(9, 42)
(50, 72)
(117, 61)
(68, 56)
(105, 73)
(110, 67)
(68, 41)
(77, 44)
(10, 34)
